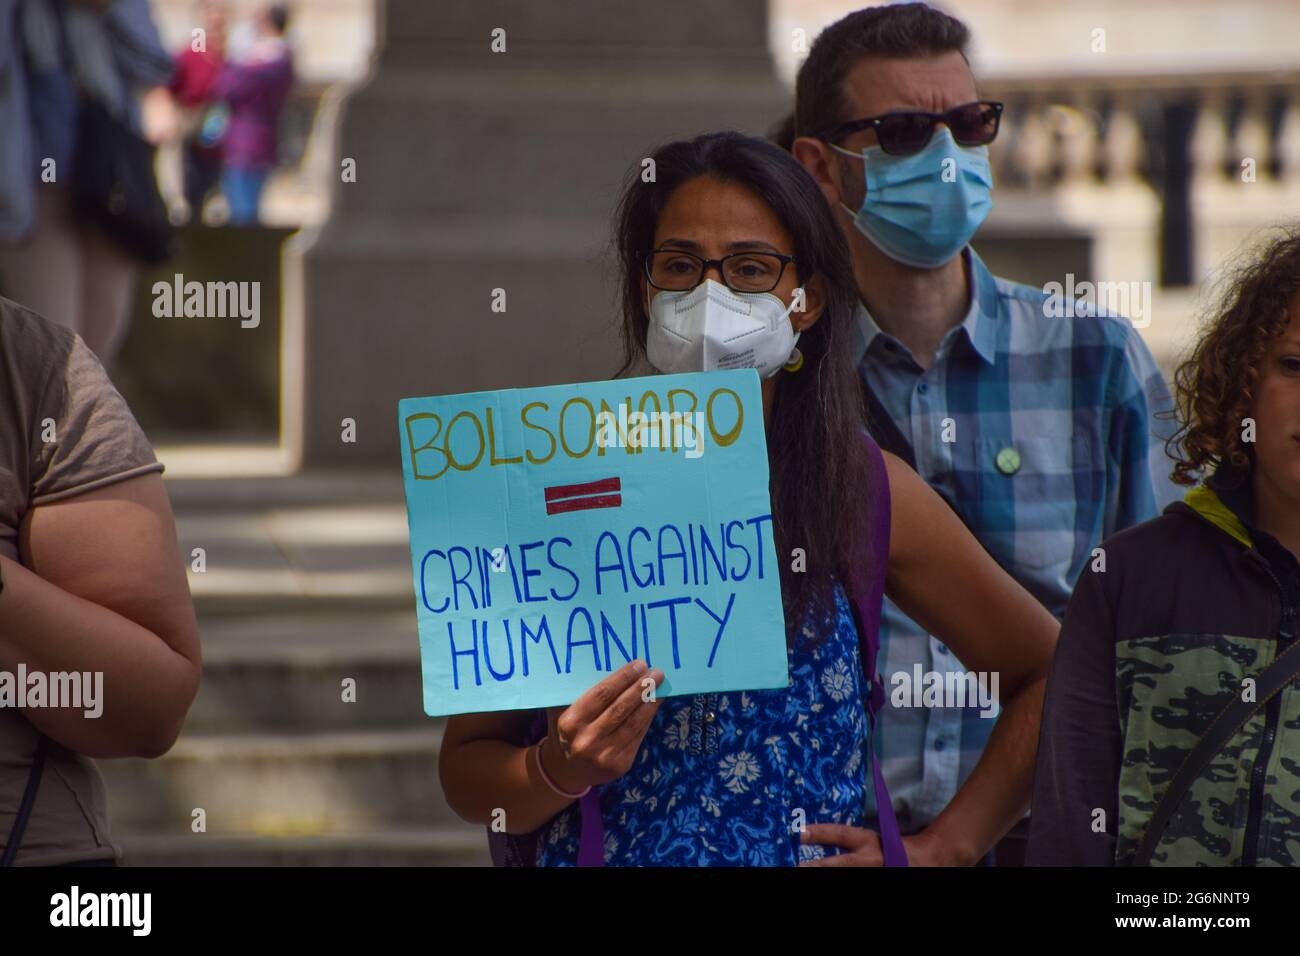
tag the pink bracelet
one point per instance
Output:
(537, 751)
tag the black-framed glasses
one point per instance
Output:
(905, 132)
(675, 270)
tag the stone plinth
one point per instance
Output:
(481, 170)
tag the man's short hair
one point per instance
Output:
(897, 31)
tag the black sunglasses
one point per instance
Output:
(972, 124)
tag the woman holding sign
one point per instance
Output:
(733, 225)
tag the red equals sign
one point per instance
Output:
(604, 493)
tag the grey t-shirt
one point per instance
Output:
(52, 387)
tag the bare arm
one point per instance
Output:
(944, 580)
(481, 772)
(591, 742)
(106, 592)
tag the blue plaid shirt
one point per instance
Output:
(1043, 431)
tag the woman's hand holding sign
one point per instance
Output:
(596, 738)
(591, 742)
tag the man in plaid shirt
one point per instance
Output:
(1035, 418)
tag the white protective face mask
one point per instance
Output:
(710, 327)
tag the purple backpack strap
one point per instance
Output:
(868, 599)
(591, 841)
(591, 837)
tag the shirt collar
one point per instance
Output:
(980, 332)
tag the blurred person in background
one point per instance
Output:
(56, 57)
(255, 89)
(197, 67)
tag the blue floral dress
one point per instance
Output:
(727, 779)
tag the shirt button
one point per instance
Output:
(709, 716)
(940, 744)
(942, 648)
(1008, 461)
(923, 388)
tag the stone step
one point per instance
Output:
(292, 784)
(381, 594)
(283, 672)
(462, 845)
(310, 489)
(307, 582)
(276, 559)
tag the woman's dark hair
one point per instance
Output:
(819, 477)
(1216, 384)
(278, 15)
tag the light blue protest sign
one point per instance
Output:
(559, 532)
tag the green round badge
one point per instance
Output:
(1008, 461)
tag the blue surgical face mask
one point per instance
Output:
(922, 209)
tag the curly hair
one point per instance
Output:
(1216, 385)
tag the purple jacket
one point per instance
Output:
(256, 93)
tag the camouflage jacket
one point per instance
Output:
(1166, 623)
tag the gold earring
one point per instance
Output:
(796, 361)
